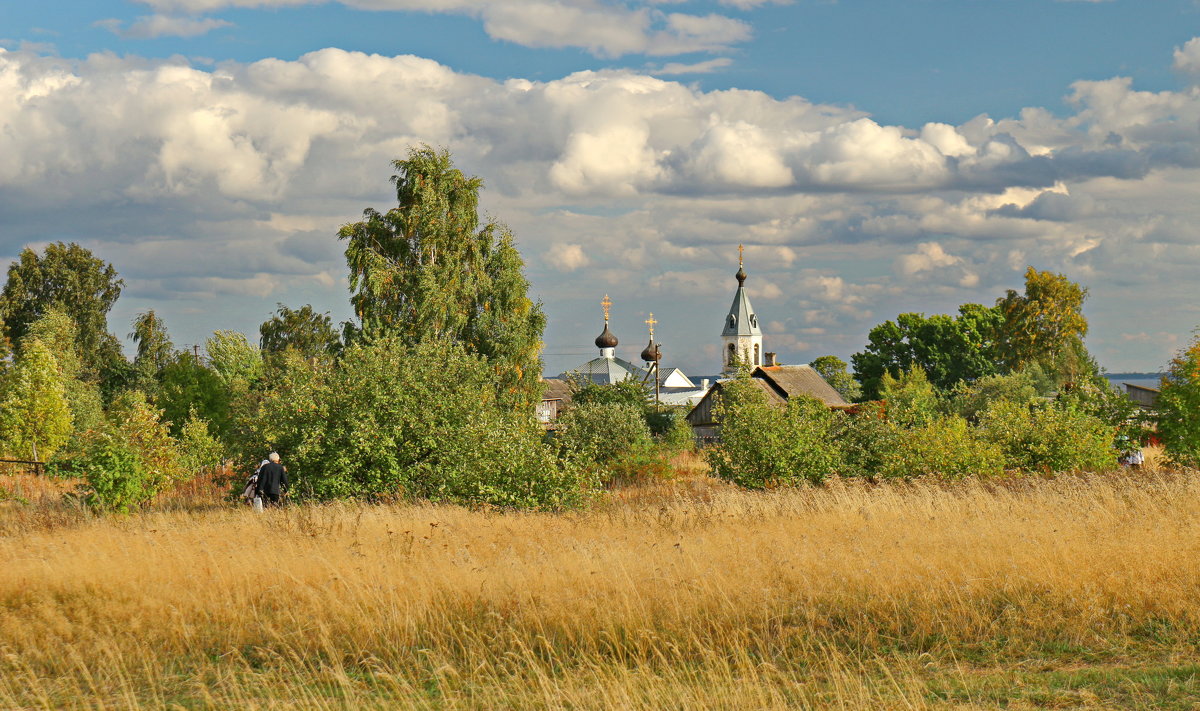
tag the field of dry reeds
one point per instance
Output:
(1076, 592)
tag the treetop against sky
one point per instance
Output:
(874, 157)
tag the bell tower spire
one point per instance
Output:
(741, 339)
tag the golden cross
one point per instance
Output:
(740, 250)
(650, 322)
(606, 304)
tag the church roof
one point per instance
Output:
(605, 370)
(741, 319)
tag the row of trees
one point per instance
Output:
(1044, 326)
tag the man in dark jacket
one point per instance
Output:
(272, 480)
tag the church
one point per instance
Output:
(741, 345)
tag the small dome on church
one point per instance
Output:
(741, 275)
(651, 353)
(606, 339)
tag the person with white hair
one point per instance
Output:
(272, 480)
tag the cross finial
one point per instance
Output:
(650, 322)
(606, 304)
(740, 250)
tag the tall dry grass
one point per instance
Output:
(692, 596)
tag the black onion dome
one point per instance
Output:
(651, 353)
(606, 339)
(741, 275)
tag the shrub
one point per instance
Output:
(763, 446)
(642, 463)
(114, 475)
(679, 437)
(1177, 411)
(130, 460)
(600, 432)
(970, 400)
(198, 449)
(867, 439)
(1052, 437)
(35, 416)
(911, 399)
(947, 448)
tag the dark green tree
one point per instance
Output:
(303, 330)
(833, 370)
(154, 350)
(69, 278)
(949, 349)
(427, 269)
(187, 386)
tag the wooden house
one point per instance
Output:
(778, 383)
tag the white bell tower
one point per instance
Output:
(741, 339)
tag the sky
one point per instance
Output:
(874, 157)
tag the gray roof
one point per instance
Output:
(741, 320)
(605, 370)
(792, 380)
(557, 389)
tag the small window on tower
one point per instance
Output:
(753, 320)
(732, 356)
(732, 320)
(757, 359)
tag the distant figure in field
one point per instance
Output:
(251, 489)
(272, 480)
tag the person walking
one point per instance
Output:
(272, 480)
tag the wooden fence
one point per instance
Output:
(22, 466)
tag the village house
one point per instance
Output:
(778, 383)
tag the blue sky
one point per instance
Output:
(875, 157)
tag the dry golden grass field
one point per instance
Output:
(1076, 592)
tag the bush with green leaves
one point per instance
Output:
(678, 435)
(115, 476)
(763, 445)
(1177, 411)
(130, 459)
(389, 420)
(867, 440)
(1050, 437)
(947, 448)
(911, 399)
(198, 448)
(600, 432)
(969, 400)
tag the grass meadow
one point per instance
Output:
(1073, 592)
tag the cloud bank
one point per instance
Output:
(226, 186)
